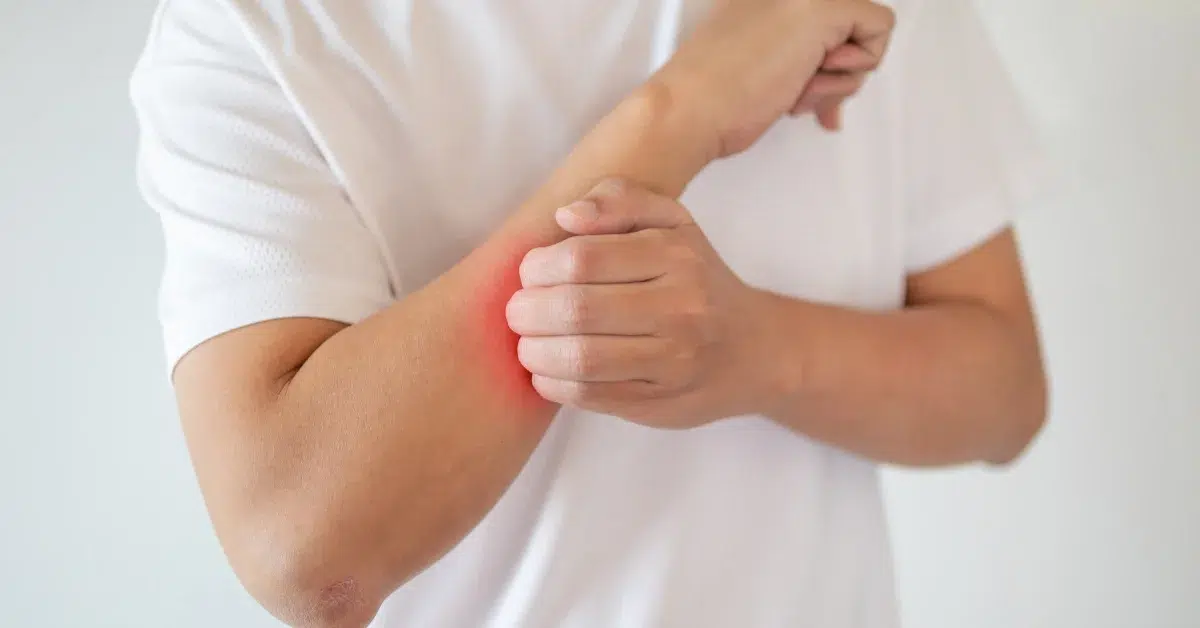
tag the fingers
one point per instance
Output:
(830, 117)
(621, 258)
(827, 86)
(844, 70)
(825, 95)
(606, 397)
(595, 358)
(615, 206)
(872, 26)
(621, 236)
(615, 309)
(850, 58)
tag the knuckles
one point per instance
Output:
(579, 259)
(574, 306)
(680, 364)
(580, 357)
(572, 357)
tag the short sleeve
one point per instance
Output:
(970, 156)
(255, 223)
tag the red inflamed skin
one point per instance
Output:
(498, 274)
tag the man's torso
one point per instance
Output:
(439, 117)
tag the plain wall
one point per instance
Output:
(102, 523)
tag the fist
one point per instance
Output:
(636, 315)
(752, 61)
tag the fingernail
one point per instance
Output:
(583, 210)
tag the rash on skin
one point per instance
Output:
(498, 342)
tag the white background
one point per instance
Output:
(102, 524)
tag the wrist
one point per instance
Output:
(775, 358)
(667, 120)
(650, 138)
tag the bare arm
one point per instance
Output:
(955, 377)
(361, 454)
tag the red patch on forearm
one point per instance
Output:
(498, 283)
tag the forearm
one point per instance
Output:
(933, 385)
(398, 434)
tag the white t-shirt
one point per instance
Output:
(323, 158)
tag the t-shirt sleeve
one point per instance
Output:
(256, 224)
(970, 156)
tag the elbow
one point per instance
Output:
(295, 579)
(1024, 423)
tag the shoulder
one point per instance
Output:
(270, 29)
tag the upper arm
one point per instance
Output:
(990, 275)
(266, 258)
(265, 254)
(239, 375)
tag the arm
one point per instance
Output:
(338, 461)
(955, 377)
(362, 454)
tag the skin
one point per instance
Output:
(637, 316)
(338, 461)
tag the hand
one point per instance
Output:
(841, 76)
(636, 315)
(752, 61)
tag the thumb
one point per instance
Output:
(617, 206)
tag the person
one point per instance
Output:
(528, 314)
